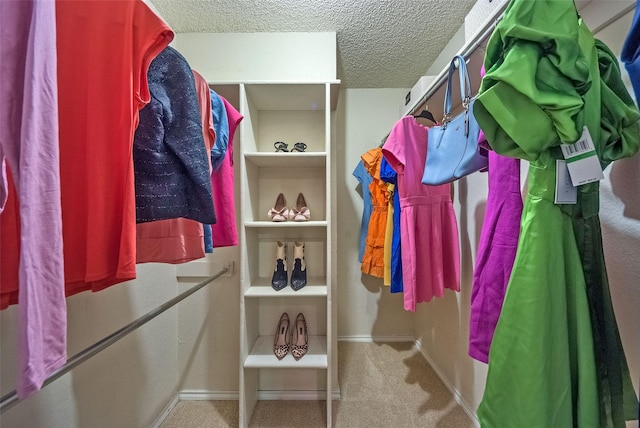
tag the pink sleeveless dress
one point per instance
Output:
(428, 227)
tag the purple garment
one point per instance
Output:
(29, 143)
(496, 252)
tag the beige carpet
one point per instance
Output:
(381, 385)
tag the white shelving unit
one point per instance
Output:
(289, 112)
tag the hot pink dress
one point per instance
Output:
(224, 232)
(428, 227)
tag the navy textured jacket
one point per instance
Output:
(170, 158)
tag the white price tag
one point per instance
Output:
(566, 193)
(582, 160)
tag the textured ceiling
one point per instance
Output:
(381, 43)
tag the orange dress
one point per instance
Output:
(373, 259)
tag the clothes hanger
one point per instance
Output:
(426, 114)
(384, 140)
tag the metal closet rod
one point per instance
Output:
(466, 50)
(11, 399)
(470, 47)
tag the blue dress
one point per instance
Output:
(389, 175)
(631, 53)
(365, 180)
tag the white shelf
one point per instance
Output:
(262, 356)
(289, 112)
(287, 159)
(268, 291)
(286, 224)
(285, 97)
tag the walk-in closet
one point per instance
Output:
(285, 213)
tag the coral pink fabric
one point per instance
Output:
(428, 226)
(224, 232)
(102, 83)
(177, 240)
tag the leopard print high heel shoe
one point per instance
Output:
(281, 339)
(299, 338)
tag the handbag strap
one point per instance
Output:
(465, 85)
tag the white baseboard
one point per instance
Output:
(298, 395)
(194, 395)
(186, 395)
(203, 395)
(454, 391)
(374, 339)
(165, 412)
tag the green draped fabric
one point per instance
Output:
(556, 359)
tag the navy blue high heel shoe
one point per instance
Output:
(299, 272)
(280, 277)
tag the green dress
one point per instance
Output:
(556, 359)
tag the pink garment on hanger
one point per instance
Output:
(178, 240)
(428, 226)
(224, 232)
(29, 141)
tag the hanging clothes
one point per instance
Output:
(556, 358)
(373, 258)
(389, 175)
(209, 128)
(388, 235)
(29, 145)
(179, 240)
(102, 84)
(428, 228)
(224, 232)
(496, 252)
(363, 177)
(219, 149)
(631, 53)
(221, 124)
(9, 244)
(169, 154)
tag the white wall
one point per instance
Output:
(366, 308)
(208, 331)
(620, 218)
(240, 57)
(126, 385)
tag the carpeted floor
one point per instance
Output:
(381, 385)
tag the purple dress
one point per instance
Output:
(496, 252)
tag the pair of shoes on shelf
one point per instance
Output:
(284, 147)
(298, 274)
(294, 339)
(280, 212)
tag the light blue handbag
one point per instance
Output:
(452, 147)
